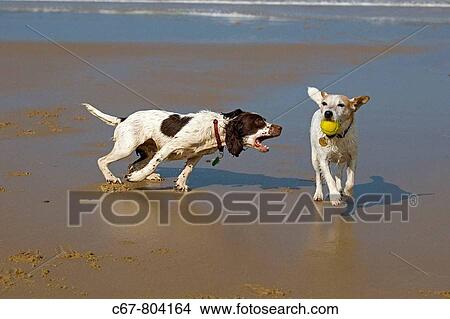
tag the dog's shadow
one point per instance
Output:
(204, 177)
(379, 186)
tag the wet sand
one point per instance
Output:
(171, 75)
(52, 145)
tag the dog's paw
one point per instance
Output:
(318, 196)
(336, 202)
(114, 180)
(155, 177)
(135, 176)
(181, 188)
(348, 192)
(335, 199)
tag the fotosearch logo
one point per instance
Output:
(233, 208)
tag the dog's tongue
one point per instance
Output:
(261, 147)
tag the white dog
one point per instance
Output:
(157, 136)
(340, 148)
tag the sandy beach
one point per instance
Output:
(50, 145)
(164, 71)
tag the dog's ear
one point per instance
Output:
(232, 114)
(316, 95)
(233, 137)
(358, 101)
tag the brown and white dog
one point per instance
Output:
(341, 148)
(157, 136)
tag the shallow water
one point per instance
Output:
(205, 22)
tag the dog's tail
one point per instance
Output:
(108, 119)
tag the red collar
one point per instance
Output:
(216, 133)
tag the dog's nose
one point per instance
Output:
(328, 114)
(275, 130)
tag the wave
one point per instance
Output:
(230, 13)
(232, 16)
(227, 14)
(214, 14)
(336, 3)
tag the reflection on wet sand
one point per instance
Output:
(331, 259)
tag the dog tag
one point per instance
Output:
(323, 141)
(217, 159)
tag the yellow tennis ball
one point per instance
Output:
(329, 127)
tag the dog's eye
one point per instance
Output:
(324, 103)
(341, 105)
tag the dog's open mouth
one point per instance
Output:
(259, 145)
